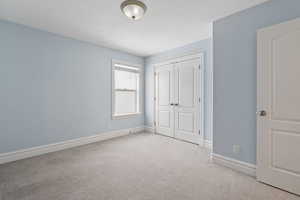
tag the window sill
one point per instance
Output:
(125, 116)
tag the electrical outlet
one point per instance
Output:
(236, 148)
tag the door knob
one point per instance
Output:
(176, 104)
(171, 104)
(261, 113)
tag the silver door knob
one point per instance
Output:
(171, 104)
(261, 113)
(176, 104)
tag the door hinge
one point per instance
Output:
(199, 132)
(154, 98)
(154, 123)
(199, 99)
(199, 66)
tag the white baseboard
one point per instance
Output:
(136, 130)
(234, 164)
(149, 129)
(39, 150)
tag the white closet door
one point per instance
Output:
(186, 101)
(278, 120)
(164, 96)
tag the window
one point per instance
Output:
(125, 90)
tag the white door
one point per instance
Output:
(164, 97)
(278, 120)
(186, 100)
(177, 100)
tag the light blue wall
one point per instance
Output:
(197, 47)
(53, 88)
(235, 75)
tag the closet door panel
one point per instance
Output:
(164, 79)
(186, 109)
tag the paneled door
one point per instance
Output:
(278, 116)
(177, 104)
(164, 97)
(186, 101)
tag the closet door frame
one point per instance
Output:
(201, 87)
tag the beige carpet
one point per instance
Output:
(136, 167)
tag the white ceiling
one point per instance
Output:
(166, 25)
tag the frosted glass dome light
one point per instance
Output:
(133, 9)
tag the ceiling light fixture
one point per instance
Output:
(133, 9)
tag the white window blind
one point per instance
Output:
(126, 88)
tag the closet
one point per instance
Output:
(178, 98)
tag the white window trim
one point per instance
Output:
(141, 78)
